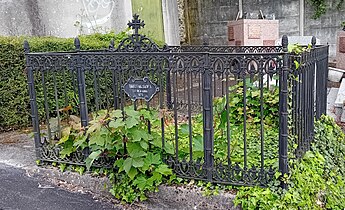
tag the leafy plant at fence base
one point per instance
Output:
(317, 181)
(124, 137)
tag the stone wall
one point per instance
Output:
(211, 17)
(62, 18)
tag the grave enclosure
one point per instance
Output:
(190, 83)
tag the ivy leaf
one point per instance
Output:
(130, 122)
(157, 142)
(67, 149)
(144, 145)
(135, 150)
(163, 169)
(116, 123)
(116, 113)
(131, 112)
(137, 162)
(198, 143)
(63, 139)
(127, 164)
(97, 139)
(156, 177)
(89, 160)
(132, 172)
(94, 127)
(80, 141)
(152, 159)
(138, 134)
(140, 182)
(169, 148)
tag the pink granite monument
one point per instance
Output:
(253, 32)
(341, 50)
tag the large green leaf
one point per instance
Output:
(116, 123)
(132, 172)
(144, 145)
(97, 139)
(127, 164)
(198, 143)
(138, 134)
(130, 122)
(131, 112)
(163, 169)
(140, 182)
(152, 159)
(135, 150)
(93, 156)
(116, 113)
(137, 162)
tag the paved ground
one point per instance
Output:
(19, 191)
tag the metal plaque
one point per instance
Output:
(140, 89)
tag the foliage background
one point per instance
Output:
(14, 97)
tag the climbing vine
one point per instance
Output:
(320, 7)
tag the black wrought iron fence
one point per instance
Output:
(228, 113)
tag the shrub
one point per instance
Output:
(14, 97)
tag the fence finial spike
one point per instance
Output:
(77, 44)
(26, 46)
(285, 43)
(205, 39)
(112, 44)
(313, 41)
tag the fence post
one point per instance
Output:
(207, 113)
(168, 88)
(283, 112)
(81, 86)
(317, 84)
(33, 102)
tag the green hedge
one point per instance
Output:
(14, 97)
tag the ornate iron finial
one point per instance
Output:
(112, 44)
(77, 44)
(26, 46)
(313, 41)
(136, 24)
(285, 43)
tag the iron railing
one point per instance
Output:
(229, 89)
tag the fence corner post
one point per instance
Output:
(207, 112)
(81, 89)
(313, 42)
(33, 101)
(283, 113)
(81, 86)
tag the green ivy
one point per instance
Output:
(317, 181)
(320, 7)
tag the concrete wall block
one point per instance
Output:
(14, 19)
(226, 13)
(218, 29)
